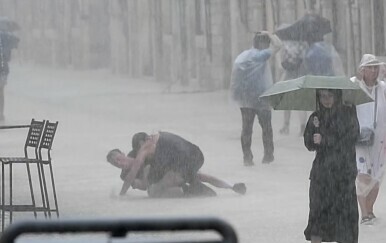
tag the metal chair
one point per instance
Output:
(46, 144)
(32, 143)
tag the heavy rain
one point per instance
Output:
(267, 115)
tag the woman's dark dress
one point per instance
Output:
(333, 214)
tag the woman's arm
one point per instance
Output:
(309, 132)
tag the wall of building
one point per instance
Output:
(184, 42)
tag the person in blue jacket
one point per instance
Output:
(251, 77)
(321, 57)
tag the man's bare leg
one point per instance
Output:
(168, 187)
(197, 188)
(214, 181)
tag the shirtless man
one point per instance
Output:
(167, 166)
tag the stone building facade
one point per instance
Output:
(183, 42)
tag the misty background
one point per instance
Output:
(106, 69)
(179, 42)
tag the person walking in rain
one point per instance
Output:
(332, 131)
(8, 41)
(251, 77)
(321, 57)
(372, 119)
(292, 62)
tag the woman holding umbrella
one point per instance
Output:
(332, 131)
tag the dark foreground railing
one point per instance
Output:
(14, 126)
(118, 228)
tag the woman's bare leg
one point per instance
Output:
(371, 198)
(363, 184)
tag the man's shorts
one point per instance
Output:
(187, 166)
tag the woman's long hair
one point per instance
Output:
(326, 114)
(338, 101)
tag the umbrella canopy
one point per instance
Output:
(8, 25)
(309, 26)
(300, 93)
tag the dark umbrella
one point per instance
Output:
(8, 41)
(309, 27)
(8, 25)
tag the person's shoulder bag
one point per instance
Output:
(366, 136)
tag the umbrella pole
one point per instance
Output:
(316, 119)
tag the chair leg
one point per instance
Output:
(54, 190)
(2, 198)
(10, 194)
(45, 190)
(31, 190)
(41, 189)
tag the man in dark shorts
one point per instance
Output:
(167, 165)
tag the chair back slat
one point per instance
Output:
(48, 135)
(34, 134)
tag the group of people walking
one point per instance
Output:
(348, 140)
(345, 170)
(349, 163)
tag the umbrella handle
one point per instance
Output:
(316, 121)
(316, 124)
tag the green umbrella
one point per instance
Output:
(300, 93)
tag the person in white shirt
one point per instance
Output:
(372, 118)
